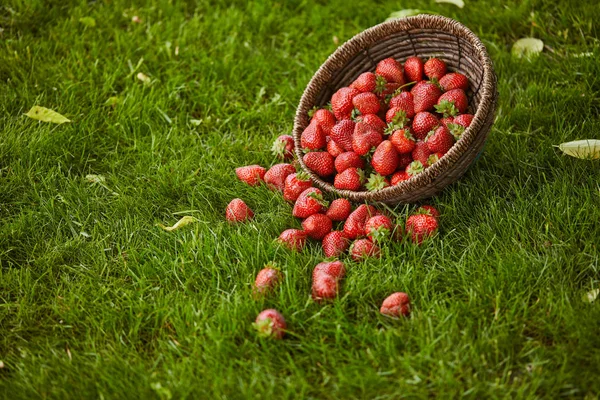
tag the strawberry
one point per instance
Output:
(341, 103)
(283, 147)
(325, 119)
(308, 203)
(355, 224)
(317, 226)
(342, 133)
(456, 130)
(452, 103)
(366, 82)
(334, 149)
(433, 158)
(454, 80)
(293, 239)
(376, 182)
(335, 244)
(404, 101)
(270, 323)
(295, 184)
(421, 226)
(351, 179)
(388, 90)
(320, 162)
(366, 103)
(413, 69)
(373, 121)
(391, 70)
(395, 305)
(313, 137)
(335, 269)
(398, 177)
(423, 123)
(425, 96)
(378, 228)
(464, 120)
(251, 174)
(385, 158)
(325, 287)
(446, 121)
(362, 143)
(403, 141)
(421, 152)
(339, 210)
(364, 248)
(429, 210)
(440, 140)
(347, 160)
(404, 160)
(396, 117)
(238, 211)
(275, 176)
(414, 168)
(267, 279)
(435, 68)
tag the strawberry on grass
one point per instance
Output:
(395, 305)
(429, 210)
(276, 175)
(238, 211)
(251, 174)
(335, 244)
(317, 226)
(379, 228)
(295, 184)
(339, 209)
(293, 239)
(325, 280)
(283, 147)
(270, 324)
(364, 248)
(354, 226)
(421, 227)
(267, 279)
(309, 202)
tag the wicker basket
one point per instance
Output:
(424, 36)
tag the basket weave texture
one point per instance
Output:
(424, 36)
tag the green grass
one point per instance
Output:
(96, 301)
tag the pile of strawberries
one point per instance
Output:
(387, 126)
(342, 144)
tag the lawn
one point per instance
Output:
(96, 301)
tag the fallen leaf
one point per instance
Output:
(179, 224)
(136, 19)
(586, 149)
(195, 122)
(46, 115)
(527, 47)
(457, 3)
(88, 21)
(409, 12)
(95, 178)
(591, 296)
(143, 77)
(1, 364)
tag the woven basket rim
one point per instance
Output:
(362, 41)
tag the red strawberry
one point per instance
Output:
(421, 152)
(251, 174)
(313, 137)
(238, 211)
(335, 269)
(320, 162)
(423, 123)
(270, 323)
(341, 103)
(373, 121)
(325, 287)
(404, 160)
(425, 96)
(435, 68)
(430, 210)
(317, 226)
(385, 158)
(347, 160)
(283, 147)
(452, 103)
(395, 305)
(355, 224)
(351, 179)
(362, 143)
(414, 168)
(413, 69)
(308, 203)
(446, 121)
(366, 103)
(267, 279)
(275, 176)
(404, 101)
(391, 70)
(403, 141)
(334, 149)
(364, 248)
(396, 117)
(376, 182)
(339, 210)
(433, 158)
(440, 140)
(398, 177)
(293, 239)
(421, 226)
(464, 120)
(325, 119)
(295, 184)
(379, 228)
(387, 90)
(335, 244)
(366, 82)
(342, 133)
(454, 80)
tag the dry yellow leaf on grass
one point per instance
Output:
(591, 296)
(179, 224)
(587, 149)
(46, 115)
(527, 47)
